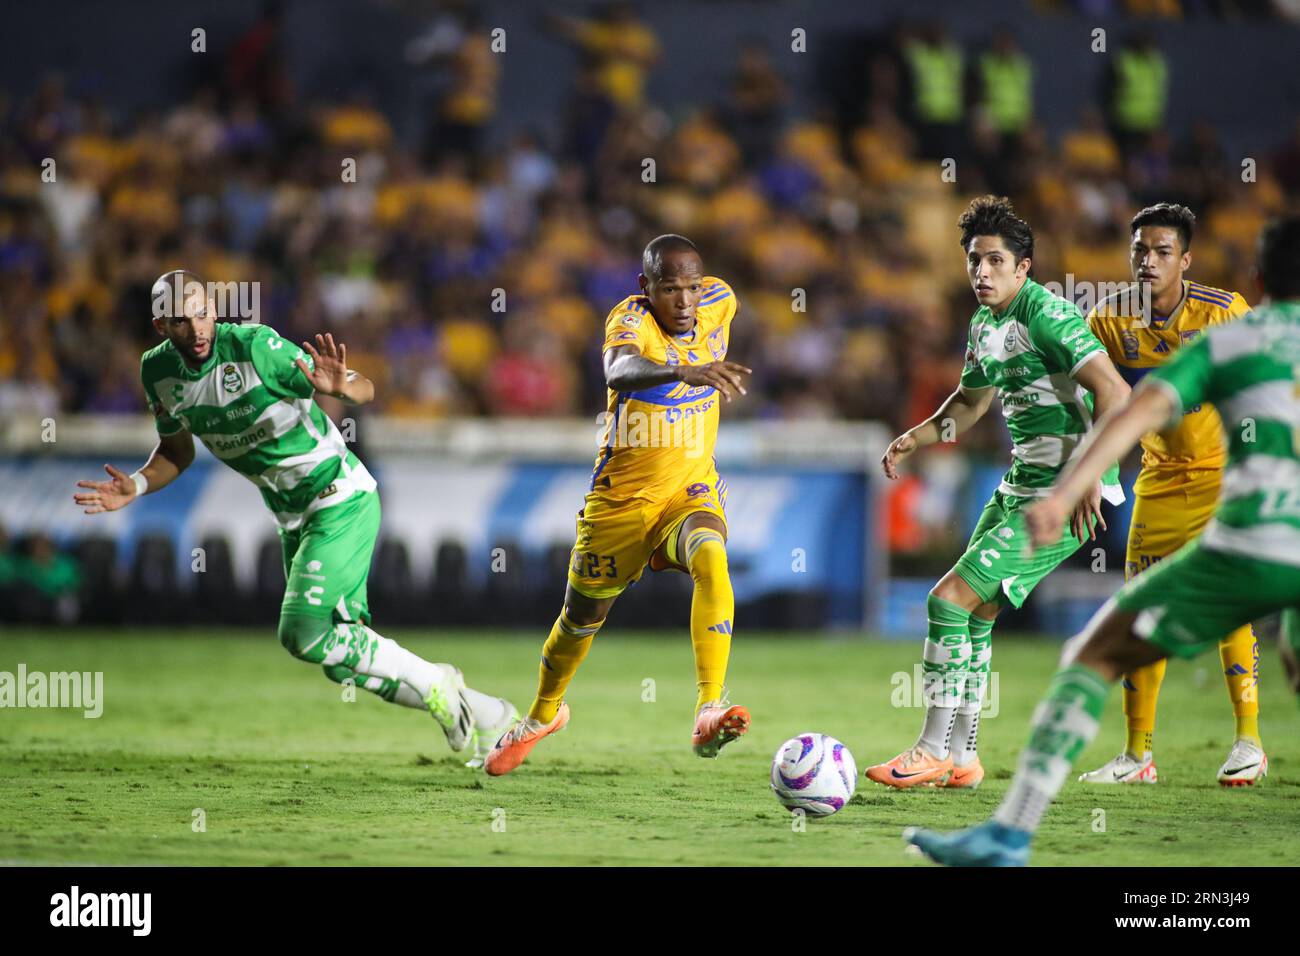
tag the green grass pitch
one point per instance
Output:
(286, 772)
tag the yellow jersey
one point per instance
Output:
(1196, 443)
(658, 441)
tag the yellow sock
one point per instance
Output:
(1141, 690)
(713, 606)
(563, 651)
(1239, 652)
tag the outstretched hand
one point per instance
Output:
(106, 495)
(727, 377)
(329, 373)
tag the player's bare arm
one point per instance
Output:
(963, 408)
(173, 455)
(1109, 391)
(1117, 431)
(627, 370)
(331, 375)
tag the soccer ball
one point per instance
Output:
(814, 773)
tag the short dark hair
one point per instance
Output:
(169, 289)
(1169, 214)
(1277, 257)
(993, 216)
(652, 259)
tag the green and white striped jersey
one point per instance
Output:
(1030, 354)
(1250, 370)
(252, 407)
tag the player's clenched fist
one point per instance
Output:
(726, 377)
(898, 449)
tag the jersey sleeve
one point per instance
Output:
(626, 325)
(1103, 327)
(1064, 338)
(1187, 378)
(1239, 309)
(972, 373)
(164, 423)
(274, 358)
(719, 294)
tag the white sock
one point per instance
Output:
(942, 693)
(966, 726)
(937, 730)
(965, 731)
(488, 711)
(386, 658)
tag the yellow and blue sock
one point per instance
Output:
(713, 608)
(563, 651)
(1239, 652)
(1141, 691)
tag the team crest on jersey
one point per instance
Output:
(671, 357)
(717, 345)
(1009, 343)
(1129, 341)
(231, 380)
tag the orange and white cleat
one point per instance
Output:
(966, 778)
(1246, 765)
(911, 768)
(1126, 768)
(716, 725)
(509, 752)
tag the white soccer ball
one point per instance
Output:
(814, 773)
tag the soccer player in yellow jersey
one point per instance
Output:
(655, 494)
(1178, 485)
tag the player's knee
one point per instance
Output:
(301, 635)
(583, 611)
(706, 555)
(953, 590)
(338, 673)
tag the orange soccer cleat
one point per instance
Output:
(717, 725)
(911, 768)
(509, 752)
(968, 777)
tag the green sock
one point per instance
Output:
(390, 690)
(1064, 724)
(943, 671)
(966, 725)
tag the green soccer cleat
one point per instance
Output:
(447, 704)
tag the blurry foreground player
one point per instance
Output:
(655, 494)
(246, 394)
(1034, 351)
(1178, 485)
(1246, 565)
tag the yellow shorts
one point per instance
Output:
(1163, 523)
(616, 538)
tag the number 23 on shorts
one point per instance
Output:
(594, 565)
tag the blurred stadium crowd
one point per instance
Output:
(240, 180)
(836, 228)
